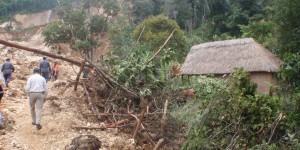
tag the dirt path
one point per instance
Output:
(24, 135)
(60, 114)
(63, 109)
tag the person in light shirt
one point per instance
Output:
(37, 90)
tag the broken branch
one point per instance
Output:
(148, 135)
(161, 47)
(78, 75)
(90, 103)
(95, 128)
(118, 122)
(107, 77)
(275, 124)
(158, 144)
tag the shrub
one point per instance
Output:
(230, 115)
(156, 31)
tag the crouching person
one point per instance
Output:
(37, 90)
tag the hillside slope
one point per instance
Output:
(63, 109)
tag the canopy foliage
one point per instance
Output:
(8, 8)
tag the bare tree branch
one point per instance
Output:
(161, 46)
(158, 144)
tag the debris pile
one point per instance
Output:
(63, 110)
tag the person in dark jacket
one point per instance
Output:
(7, 68)
(45, 68)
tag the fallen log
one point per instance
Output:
(10, 44)
(95, 128)
(102, 73)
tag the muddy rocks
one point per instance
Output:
(2, 132)
(1, 127)
(32, 64)
(84, 142)
(59, 83)
(21, 76)
(14, 93)
(52, 97)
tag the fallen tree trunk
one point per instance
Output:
(102, 72)
(10, 44)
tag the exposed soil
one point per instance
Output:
(63, 110)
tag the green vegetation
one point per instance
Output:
(235, 117)
(287, 16)
(8, 8)
(154, 31)
(230, 114)
(80, 30)
(213, 18)
(223, 113)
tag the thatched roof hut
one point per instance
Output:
(222, 57)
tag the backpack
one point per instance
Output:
(7, 68)
(45, 66)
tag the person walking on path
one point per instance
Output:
(37, 90)
(45, 68)
(55, 71)
(7, 68)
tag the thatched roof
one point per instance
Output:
(223, 56)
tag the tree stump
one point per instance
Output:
(84, 142)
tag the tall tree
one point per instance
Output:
(287, 17)
(81, 30)
(156, 31)
(143, 9)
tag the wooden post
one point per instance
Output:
(164, 117)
